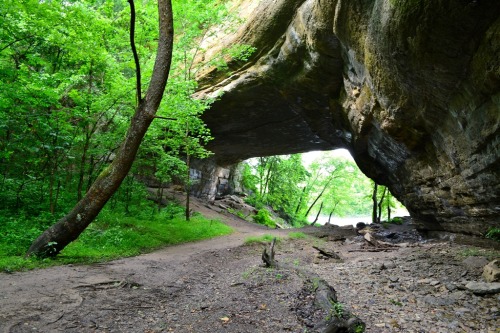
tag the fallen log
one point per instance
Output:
(337, 317)
(326, 253)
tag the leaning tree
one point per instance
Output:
(68, 228)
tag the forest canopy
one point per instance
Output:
(68, 82)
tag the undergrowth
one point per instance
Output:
(112, 235)
(493, 233)
(261, 239)
(472, 251)
(264, 217)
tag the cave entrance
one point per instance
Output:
(317, 187)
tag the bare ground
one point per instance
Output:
(218, 285)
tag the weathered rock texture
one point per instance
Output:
(410, 87)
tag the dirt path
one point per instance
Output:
(44, 295)
(218, 285)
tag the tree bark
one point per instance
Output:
(68, 228)
(330, 217)
(319, 195)
(268, 258)
(317, 215)
(380, 205)
(374, 199)
(188, 188)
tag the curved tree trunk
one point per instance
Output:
(68, 228)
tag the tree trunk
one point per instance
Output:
(388, 202)
(68, 228)
(319, 196)
(380, 205)
(330, 217)
(374, 199)
(317, 215)
(300, 200)
(188, 187)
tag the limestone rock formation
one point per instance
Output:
(411, 88)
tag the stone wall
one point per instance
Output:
(210, 180)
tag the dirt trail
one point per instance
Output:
(217, 285)
(44, 295)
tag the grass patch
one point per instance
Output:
(264, 239)
(493, 233)
(475, 251)
(110, 236)
(297, 235)
(396, 220)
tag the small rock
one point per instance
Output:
(360, 225)
(450, 286)
(434, 283)
(491, 272)
(482, 288)
(389, 265)
(394, 279)
(432, 300)
(475, 262)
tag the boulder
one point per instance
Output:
(491, 272)
(482, 288)
(475, 262)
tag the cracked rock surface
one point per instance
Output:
(411, 88)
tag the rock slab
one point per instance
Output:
(482, 288)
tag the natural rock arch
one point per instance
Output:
(410, 88)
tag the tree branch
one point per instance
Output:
(134, 51)
(165, 118)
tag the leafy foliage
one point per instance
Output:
(327, 186)
(264, 217)
(67, 93)
(493, 233)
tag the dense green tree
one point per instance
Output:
(275, 181)
(339, 185)
(67, 229)
(63, 101)
(328, 186)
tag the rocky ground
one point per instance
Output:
(220, 286)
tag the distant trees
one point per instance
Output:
(64, 99)
(327, 186)
(274, 181)
(382, 202)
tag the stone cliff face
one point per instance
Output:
(410, 87)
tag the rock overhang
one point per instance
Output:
(417, 107)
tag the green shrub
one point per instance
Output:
(397, 220)
(297, 235)
(264, 239)
(493, 233)
(263, 217)
(254, 201)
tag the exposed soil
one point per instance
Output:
(219, 285)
